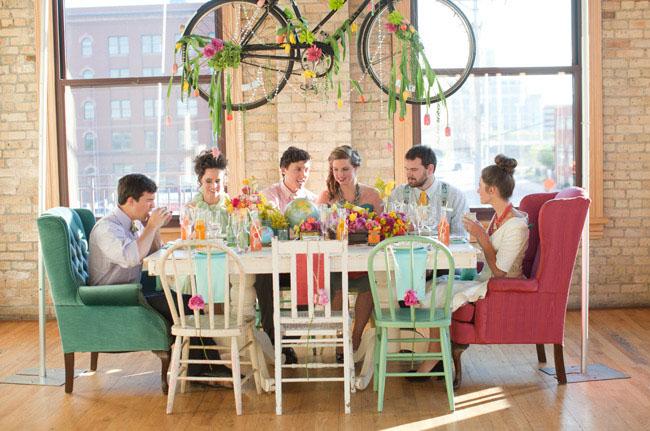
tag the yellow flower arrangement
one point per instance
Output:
(384, 188)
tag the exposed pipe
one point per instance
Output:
(586, 122)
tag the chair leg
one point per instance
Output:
(375, 379)
(559, 364)
(165, 358)
(541, 353)
(173, 376)
(383, 350)
(236, 375)
(278, 372)
(445, 347)
(68, 358)
(93, 360)
(456, 351)
(185, 354)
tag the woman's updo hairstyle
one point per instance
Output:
(206, 160)
(500, 175)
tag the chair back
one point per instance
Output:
(406, 260)
(560, 221)
(310, 264)
(531, 204)
(202, 268)
(64, 233)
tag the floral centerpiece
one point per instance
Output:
(360, 222)
(310, 228)
(250, 200)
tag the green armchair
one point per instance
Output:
(94, 318)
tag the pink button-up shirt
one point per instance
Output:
(279, 195)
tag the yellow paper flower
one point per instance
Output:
(245, 181)
(178, 45)
(287, 48)
(186, 85)
(292, 38)
(354, 27)
(339, 103)
(406, 94)
(307, 74)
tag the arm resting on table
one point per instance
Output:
(117, 294)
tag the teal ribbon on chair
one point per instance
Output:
(403, 274)
(219, 275)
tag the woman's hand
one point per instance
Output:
(474, 228)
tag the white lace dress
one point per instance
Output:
(510, 242)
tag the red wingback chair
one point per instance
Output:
(532, 310)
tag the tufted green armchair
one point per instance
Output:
(94, 318)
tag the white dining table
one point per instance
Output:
(260, 262)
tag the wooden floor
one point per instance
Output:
(502, 389)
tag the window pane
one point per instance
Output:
(86, 47)
(115, 27)
(129, 144)
(529, 118)
(509, 33)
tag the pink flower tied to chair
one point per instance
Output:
(196, 302)
(215, 152)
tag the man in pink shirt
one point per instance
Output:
(294, 165)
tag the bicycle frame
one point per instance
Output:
(295, 56)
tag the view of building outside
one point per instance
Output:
(525, 116)
(118, 129)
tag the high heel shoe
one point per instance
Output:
(438, 368)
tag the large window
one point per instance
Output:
(520, 100)
(112, 77)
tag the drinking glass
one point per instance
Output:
(325, 213)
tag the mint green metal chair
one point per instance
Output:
(406, 260)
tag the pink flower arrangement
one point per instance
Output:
(310, 225)
(212, 48)
(314, 53)
(321, 298)
(411, 298)
(390, 27)
(196, 302)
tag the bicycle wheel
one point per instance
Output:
(445, 32)
(265, 67)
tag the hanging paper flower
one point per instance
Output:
(308, 74)
(447, 131)
(196, 302)
(181, 28)
(174, 68)
(260, 3)
(186, 85)
(390, 27)
(389, 147)
(401, 119)
(362, 98)
(321, 298)
(229, 117)
(339, 103)
(212, 48)
(215, 152)
(427, 119)
(168, 121)
(411, 298)
(354, 27)
(287, 48)
(292, 39)
(406, 94)
(403, 27)
(196, 92)
(314, 53)
(412, 29)
(279, 38)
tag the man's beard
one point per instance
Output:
(418, 183)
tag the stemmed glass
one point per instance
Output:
(325, 213)
(239, 224)
(213, 219)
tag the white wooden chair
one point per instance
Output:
(317, 320)
(178, 264)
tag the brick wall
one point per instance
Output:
(620, 262)
(18, 159)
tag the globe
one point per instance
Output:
(299, 210)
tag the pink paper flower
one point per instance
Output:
(212, 48)
(427, 119)
(411, 298)
(390, 27)
(215, 152)
(447, 131)
(260, 3)
(196, 303)
(321, 297)
(314, 53)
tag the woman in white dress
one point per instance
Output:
(504, 243)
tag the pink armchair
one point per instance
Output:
(532, 310)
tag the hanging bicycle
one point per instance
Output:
(256, 45)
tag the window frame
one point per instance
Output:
(61, 83)
(575, 70)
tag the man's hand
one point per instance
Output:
(158, 218)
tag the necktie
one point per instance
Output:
(424, 199)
